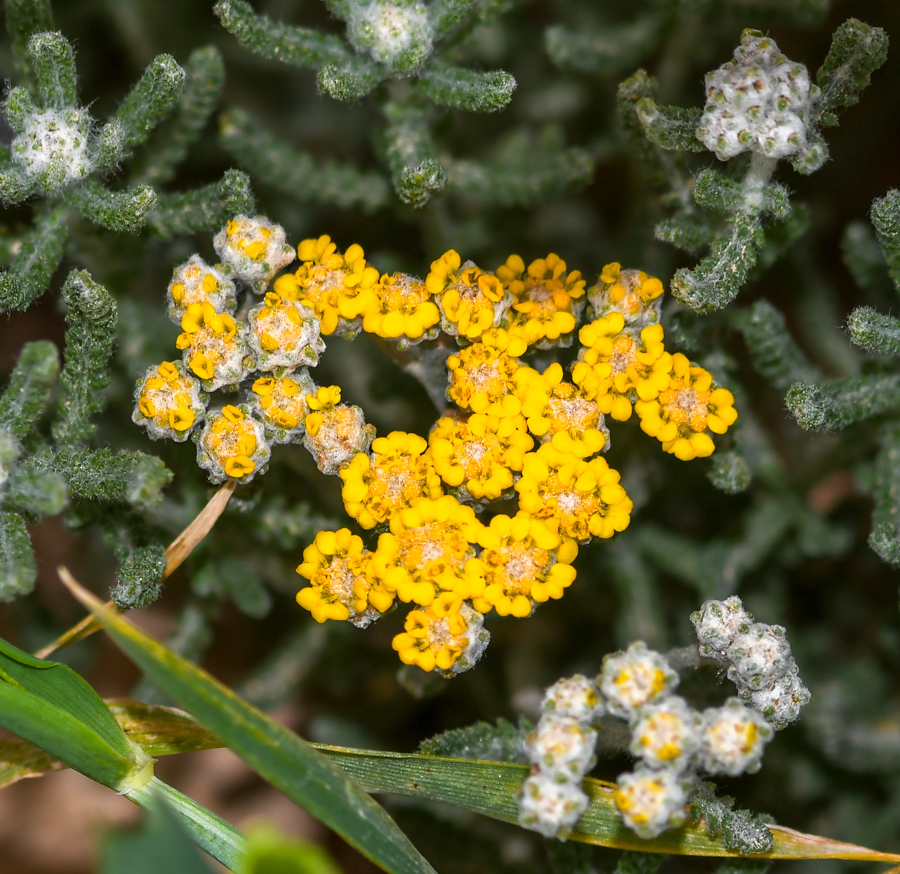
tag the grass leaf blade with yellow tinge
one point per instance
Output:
(489, 788)
(285, 760)
(51, 706)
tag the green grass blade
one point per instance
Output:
(275, 753)
(62, 735)
(62, 688)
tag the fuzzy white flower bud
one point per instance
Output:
(575, 697)
(397, 33)
(652, 801)
(760, 102)
(733, 738)
(52, 150)
(253, 250)
(562, 748)
(758, 655)
(666, 734)
(550, 808)
(781, 700)
(631, 679)
(717, 623)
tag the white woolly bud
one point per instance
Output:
(575, 697)
(195, 282)
(398, 34)
(550, 808)
(52, 150)
(335, 435)
(717, 623)
(631, 679)
(760, 101)
(733, 738)
(562, 748)
(284, 335)
(478, 638)
(758, 655)
(666, 734)
(780, 701)
(253, 250)
(652, 801)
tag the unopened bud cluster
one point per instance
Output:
(762, 102)
(561, 752)
(671, 741)
(513, 432)
(757, 658)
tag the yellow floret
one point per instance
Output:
(336, 564)
(558, 412)
(617, 366)
(401, 308)
(471, 300)
(436, 637)
(578, 498)
(523, 562)
(398, 472)
(338, 288)
(482, 376)
(544, 307)
(680, 415)
(426, 550)
(480, 454)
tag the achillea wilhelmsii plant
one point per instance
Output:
(417, 317)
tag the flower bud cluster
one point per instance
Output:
(561, 752)
(671, 741)
(515, 432)
(52, 148)
(260, 352)
(760, 102)
(757, 658)
(397, 33)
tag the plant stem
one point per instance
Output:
(221, 840)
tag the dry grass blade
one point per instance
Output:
(179, 549)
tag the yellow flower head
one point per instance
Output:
(442, 638)
(214, 347)
(479, 455)
(281, 404)
(471, 300)
(402, 310)
(578, 498)
(617, 366)
(398, 472)
(196, 282)
(335, 564)
(338, 288)
(169, 402)
(632, 293)
(523, 562)
(482, 376)
(253, 250)
(426, 550)
(335, 432)
(681, 415)
(545, 307)
(557, 411)
(233, 445)
(284, 334)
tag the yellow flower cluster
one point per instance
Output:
(516, 433)
(436, 554)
